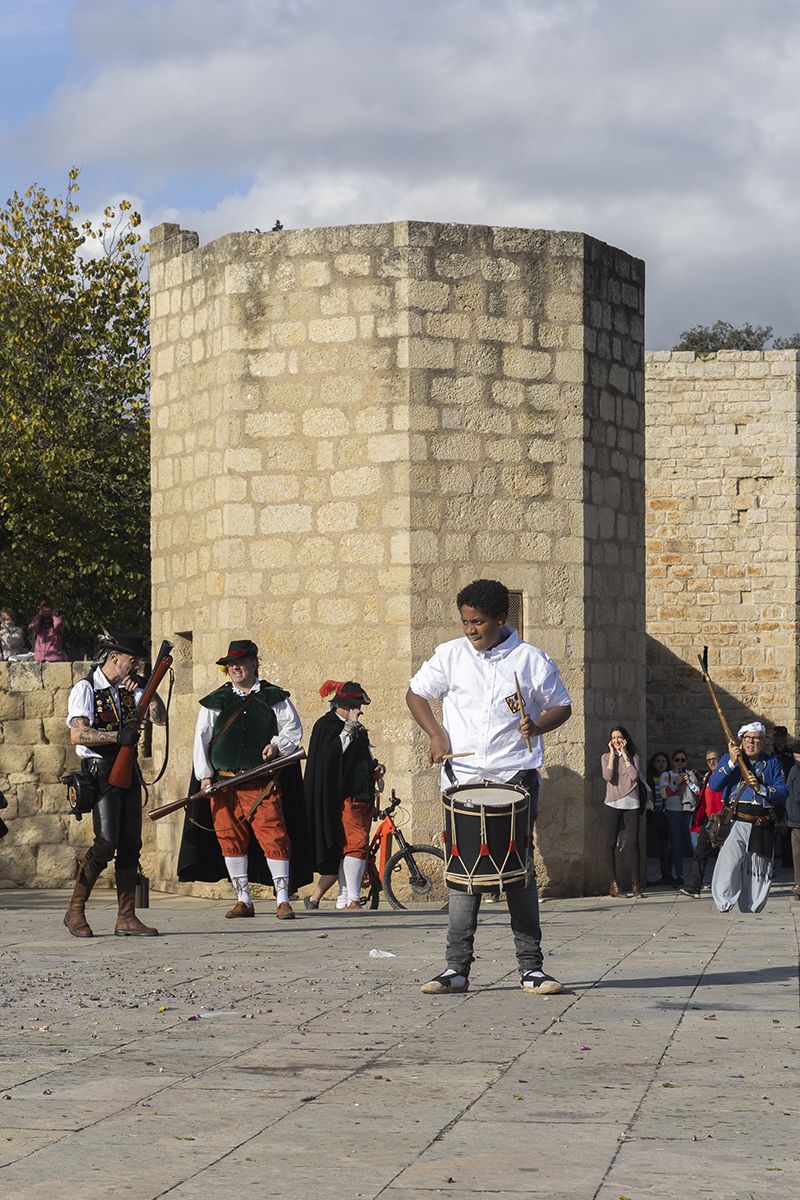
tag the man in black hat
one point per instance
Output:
(246, 721)
(339, 785)
(101, 718)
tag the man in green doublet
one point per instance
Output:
(241, 724)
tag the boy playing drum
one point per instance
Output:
(474, 676)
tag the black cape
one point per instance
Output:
(322, 782)
(200, 859)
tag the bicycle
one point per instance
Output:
(410, 875)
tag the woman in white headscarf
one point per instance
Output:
(752, 784)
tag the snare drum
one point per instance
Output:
(487, 836)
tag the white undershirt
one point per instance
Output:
(81, 704)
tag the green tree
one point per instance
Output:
(74, 462)
(708, 339)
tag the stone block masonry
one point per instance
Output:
(722, 542)
(348, 424)
(43, 841)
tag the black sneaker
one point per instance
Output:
(540, 983)
(442, 985)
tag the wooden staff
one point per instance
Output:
(521, 703)
(746, 766)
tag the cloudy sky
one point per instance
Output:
(667, 127)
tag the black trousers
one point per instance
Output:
(630, 855)
(117, 822)
(703, 851)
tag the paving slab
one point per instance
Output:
(227, 1057)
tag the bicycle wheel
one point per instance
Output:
(414, 876)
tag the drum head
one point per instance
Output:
(493, 795)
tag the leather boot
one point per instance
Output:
(75, 916)
(128, 924)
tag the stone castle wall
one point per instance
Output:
(351, 423)
(722, 542)
(43, 839)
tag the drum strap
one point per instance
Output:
(450, 773)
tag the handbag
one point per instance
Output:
(645, 794)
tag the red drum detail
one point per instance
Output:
(454, 850)
(512, 845)
(484, 850)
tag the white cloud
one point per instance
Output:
(668, 127)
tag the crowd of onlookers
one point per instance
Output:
(46, 642)
(664, 814)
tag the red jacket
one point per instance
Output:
(708, 804)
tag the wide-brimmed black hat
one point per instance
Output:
(237, 651)
(124, 641)
(344, 695)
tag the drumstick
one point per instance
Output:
(461, 754)
(522, 709)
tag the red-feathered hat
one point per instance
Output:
(344, 695)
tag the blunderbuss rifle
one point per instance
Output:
(121, 773)
(745, 765)
(270, 766)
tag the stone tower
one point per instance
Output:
(351, 423)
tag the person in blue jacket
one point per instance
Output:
(743, 874)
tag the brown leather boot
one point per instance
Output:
(128, 924)
(613, 889)
(636, 891)
(75, 916)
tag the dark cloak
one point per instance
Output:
(323, 790)
(200, 859)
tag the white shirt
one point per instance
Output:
(478, 690)
(287, 739)
(81, 704)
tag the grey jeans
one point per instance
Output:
(523, 907)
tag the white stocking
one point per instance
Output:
(354, 869)
(279, 870)
(237, 870)
(341, 899)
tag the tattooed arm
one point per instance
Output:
(82, 734)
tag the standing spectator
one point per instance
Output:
(620, 768)
(49, 629)
(12, 639)
(709, 803)
(793, 819)
(780, 748)
(680, 789)
(712, 759)
(658, 764)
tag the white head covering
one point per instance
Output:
(753, 727)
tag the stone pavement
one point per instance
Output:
(259, 1058)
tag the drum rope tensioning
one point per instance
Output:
(487, 836)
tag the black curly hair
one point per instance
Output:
(490, 596)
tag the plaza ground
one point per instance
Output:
(261, 1058)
